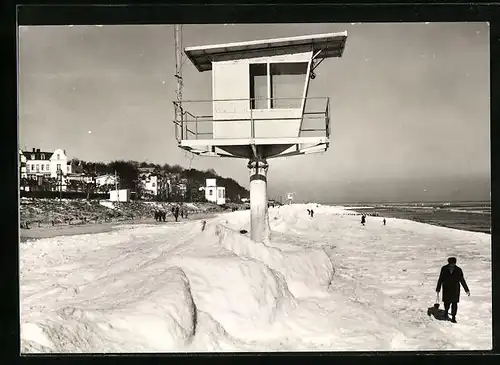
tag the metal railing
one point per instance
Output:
(194, 119)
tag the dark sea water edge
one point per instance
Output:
(467, 216)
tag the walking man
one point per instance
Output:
(176, 213)
(384, 221)
(450, 278)
(363, 219)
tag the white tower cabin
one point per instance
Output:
(259, 108)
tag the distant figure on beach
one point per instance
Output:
(363, 219)
(309, 212)
(384, 221)
(163, 215)
(450, 278)
(176, 213)
(203, 224)
(312, 213)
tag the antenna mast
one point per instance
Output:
(178, 66)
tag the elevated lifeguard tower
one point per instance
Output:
(259, 108)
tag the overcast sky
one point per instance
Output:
(410, 105)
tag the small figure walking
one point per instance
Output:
(176, 213)
(450, 278)
(312, 213)
(363, 219)
(309, 212)
(384, 221)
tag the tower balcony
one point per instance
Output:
(239, 127)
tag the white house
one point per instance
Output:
(36, 164)
(40, 163)
(150, 183)
(22, 165)
(106, 179)
(213, 193)
(149, 180)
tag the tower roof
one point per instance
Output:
(330, 44)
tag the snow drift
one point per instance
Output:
(323, 283)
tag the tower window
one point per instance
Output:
(258, 86)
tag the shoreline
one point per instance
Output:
(37, 233)
(418, 216)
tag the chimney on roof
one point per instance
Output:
(38, 150)
(34, 150)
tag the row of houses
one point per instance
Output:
(37, 164)
(155, 182)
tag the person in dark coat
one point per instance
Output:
(156, 215)
(450, 278)
(363, 219)
(384, 221)
(176, 213)
(312, 213)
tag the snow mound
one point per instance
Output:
(305, 271)
(163, 319)
(237, 292)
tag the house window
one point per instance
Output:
(58, 166)
(58, 156)
(42, 156)
(43, 166)
(37, 167)
(258, 86)
(220, 194)
(32, 156)
(153, 185)
(287, 84)
(210, 192)
(47, 167)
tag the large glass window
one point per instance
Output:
(258, 86)
(287, 84)
(282, 87)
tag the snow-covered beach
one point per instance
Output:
(325, 283)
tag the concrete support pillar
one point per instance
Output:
(259, 217)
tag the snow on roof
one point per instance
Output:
(331, 45)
